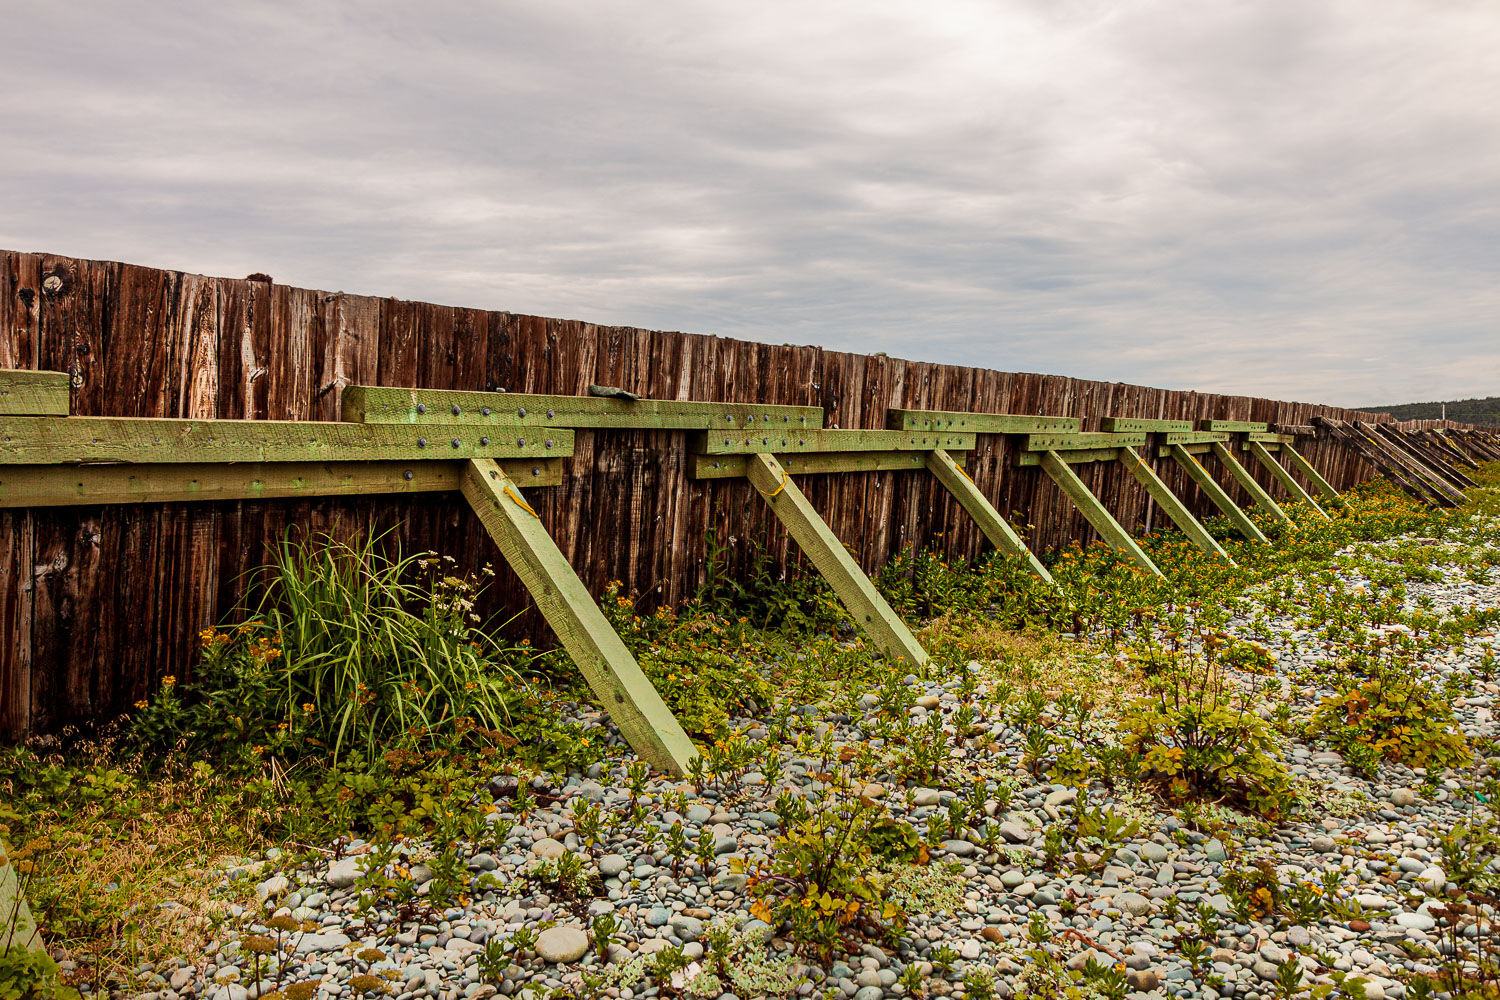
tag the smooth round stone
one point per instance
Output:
(562, 944)
(611, 865)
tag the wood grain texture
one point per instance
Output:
(96, 604)
(33, 393)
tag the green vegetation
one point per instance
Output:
(1484, 411)
(356, 695)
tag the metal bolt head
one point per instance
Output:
(407, 475)
(520, 442)
(455, 442)
(551, 414)
(456, 410)
(521, 412)
(484, 440)
(549, 442)
(421, 442)
(421, 407)
(485, 410)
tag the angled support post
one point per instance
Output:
(1001, 535)
(622, 687)
(1284, 477)
(1199, 475)
(1168, 502)
(1067, 480)
(1305, 467)
(17, 927)
(1242, 476)
(828, 554)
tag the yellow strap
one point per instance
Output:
(778, 489)
(523, 504)
(961, 472)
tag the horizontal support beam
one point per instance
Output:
(1297, 430)
(1195, 437)
(798, 442)
(980, 423)
(1081, 457)
(1085, 440)
(1268, 437)
(383, 405)
(33, 394)
(1169, 449)
(1232, 426)
(75, 485)
(1128, 424)
(732, 466)
(50, 441)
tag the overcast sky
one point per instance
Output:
(1276, 197)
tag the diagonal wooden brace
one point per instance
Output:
(622, 687)
(1001, 535)
(828, 554)
(1199, 475)
(1242, 476)
(1284, 477)
(1168, 502)
(1067, 480)
(1305, 467)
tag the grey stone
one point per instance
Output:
(612, 865)
(562, 944)
(1133, 903)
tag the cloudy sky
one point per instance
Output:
(1275, 197)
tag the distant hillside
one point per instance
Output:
(1466, 411)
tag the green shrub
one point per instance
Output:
(1196, 737)
(1396, 716)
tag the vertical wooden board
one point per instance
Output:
(194, 382)
(137, 343)
(16, 569)
(20, 298)
(70, 327)
(350, 348)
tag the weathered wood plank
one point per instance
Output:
(1216, 494)
(49, 441)
(796, 442)
(1305, 467)
(1067, 480)
(939, 421)
(1001, 535)
(1140, 424)
(1080, 457)
(1170, 504)
(1283, 477)
(379, 404)
(76, 485)
(30, 393)
(613, 674)
(1085, 441)
(1232, 426)
(731, 466)
(849, 582)
(1247, 482)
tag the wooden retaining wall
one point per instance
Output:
(97, 604)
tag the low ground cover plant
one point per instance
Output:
(355, 694)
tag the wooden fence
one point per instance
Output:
(98, 603)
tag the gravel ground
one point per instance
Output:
(1378, 837)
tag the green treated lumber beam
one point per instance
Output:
(1170, 504)
(1407, 445)
(35, 394)
(1166, 450)
(1082, 441)
(17, 927)
(733, 466)
(50, 441)
(1278, 471)
(1433, 482)
(1067, 480)
(980, 423)
(74, 485)
(1184, 456)
(1194, 437)
(380, 404)
(1232, 426)
(1268, 437)
(838, 567)
(777, 442)
(1129, 424)
(1242, 476)
(1071, 457)
(1303, 466)
(616, 678)
(1001, 535)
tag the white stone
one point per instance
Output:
(548, 848)
(562, 944)
(1433, 880)
(343, 873)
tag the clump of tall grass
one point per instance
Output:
(340, 646)
(378, 645)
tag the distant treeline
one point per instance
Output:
(1467, 411)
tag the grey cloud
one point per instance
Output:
(1267, 197)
